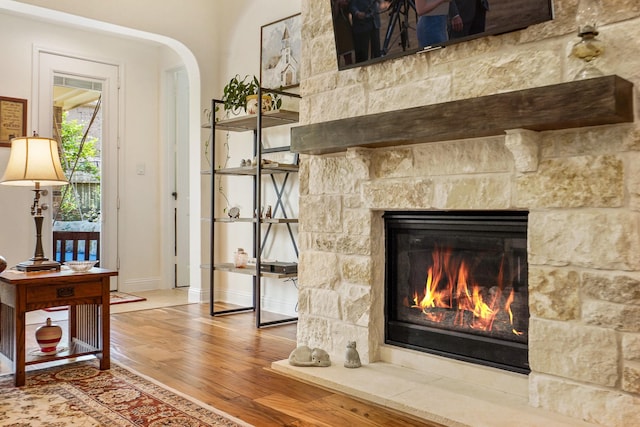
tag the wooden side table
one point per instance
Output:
(86, 294)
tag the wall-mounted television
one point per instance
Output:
(399, 25)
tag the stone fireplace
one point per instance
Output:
(580, 186)
(583, 243)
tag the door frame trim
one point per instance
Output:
(110, 236)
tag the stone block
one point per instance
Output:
(350, 244)
(357, 222)
(584, 181)
(303, 300)
(356, 304)
(517, 69)
(409, 70)
(320, 214)
(352, 201)
(352, 77)
(617, 39)
(325, 303)
(414, 93)
(392, 163)
(602, 406)
(477, 192)
(318, 270)
(574, 351)
(336, 175)
(631, 139)
(320, 83)
(618, 288)
(316, 18)
(633, 180)
(305, 241)
(604, 239)
(304, 106)
(631, 377)
(631, 347)
(357, 270)
(620, 317)
(324, 60)
(303, 174)
(554, 293)
(323, 242)
(323, 106)
(398, 193)
(588, 141)
(471, 156)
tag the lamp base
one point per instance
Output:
(38, 265)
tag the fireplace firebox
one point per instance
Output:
(456, 285)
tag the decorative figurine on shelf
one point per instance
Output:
(3, 263)
(352, 358)
(48, 337)
(305, 356)
(234, 212)
(268, 212)
(241, 258)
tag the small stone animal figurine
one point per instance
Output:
(352, 358)
(305, 356)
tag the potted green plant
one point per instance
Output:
(238, 90)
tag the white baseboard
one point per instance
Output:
(198, 295)
(245, 299)
(143, 284)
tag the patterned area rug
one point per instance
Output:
(115, 297)
(79, 394)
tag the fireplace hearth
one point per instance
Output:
(456, 285)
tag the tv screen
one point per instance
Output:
(370, 31)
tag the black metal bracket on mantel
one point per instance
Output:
(592, 102)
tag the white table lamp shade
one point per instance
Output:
(34, 160)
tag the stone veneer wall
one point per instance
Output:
(581, 187)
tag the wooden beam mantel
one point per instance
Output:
(591, 102)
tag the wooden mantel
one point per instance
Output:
(591, 102)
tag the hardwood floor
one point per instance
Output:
(225, 361)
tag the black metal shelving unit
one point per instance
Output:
(253, 123)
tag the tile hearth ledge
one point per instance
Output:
(441, 394)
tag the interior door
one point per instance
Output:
(177, 119)
(55, 70)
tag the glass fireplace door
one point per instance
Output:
(456, 285)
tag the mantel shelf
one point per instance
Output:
(592, 102)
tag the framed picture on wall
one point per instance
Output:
(280, 47)
(13, 119)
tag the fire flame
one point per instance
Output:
(473, 309)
